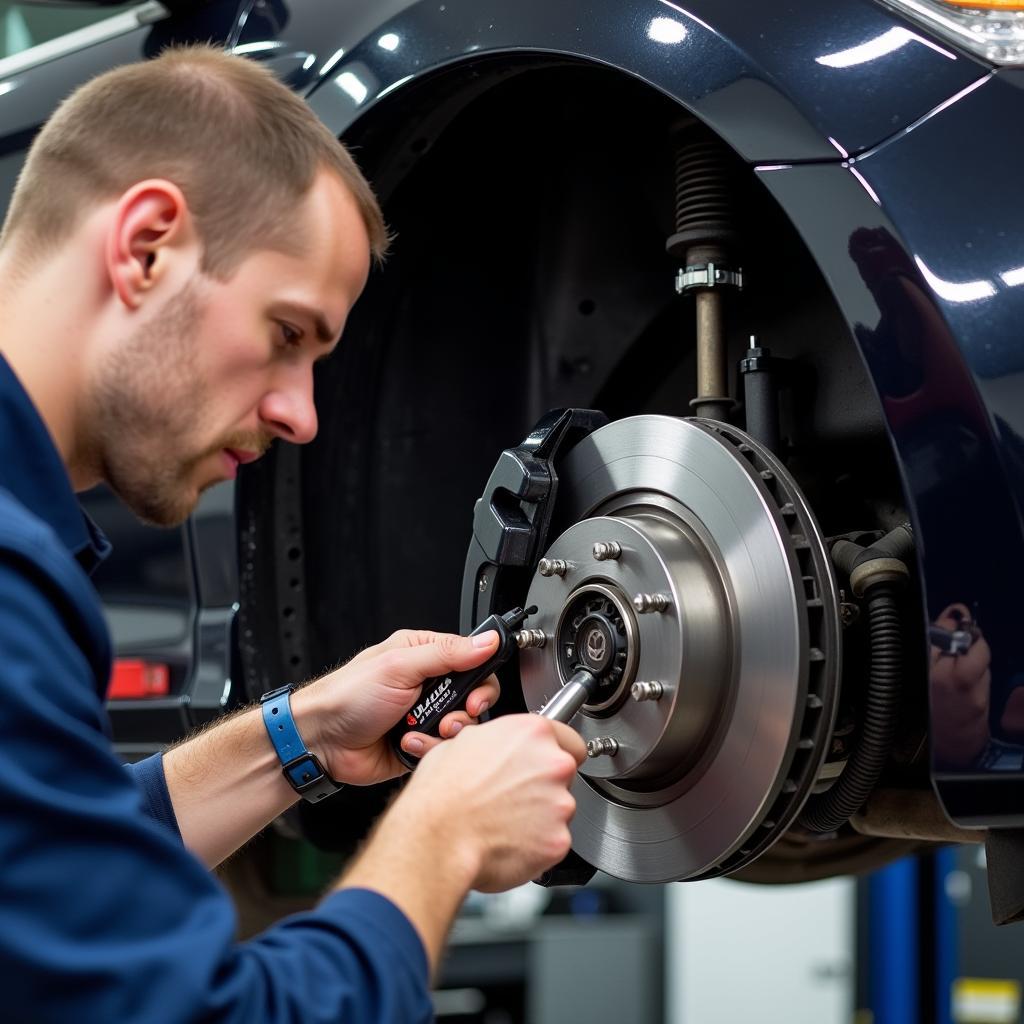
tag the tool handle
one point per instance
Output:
(565, 704)
(951, 641)
(444, 694)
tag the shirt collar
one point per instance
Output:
(32, 470)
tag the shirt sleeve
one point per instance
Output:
(156, 800)
(95, 893)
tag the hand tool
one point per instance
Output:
(564, 705)
(444, 694)
(952, 641)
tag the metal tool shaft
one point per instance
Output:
(571, 697)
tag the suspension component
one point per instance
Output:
(704, 241)
(760, 394)
(882, 569)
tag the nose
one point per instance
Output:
(288, 410)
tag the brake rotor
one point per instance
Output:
(699, 590)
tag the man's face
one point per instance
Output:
(223, 368)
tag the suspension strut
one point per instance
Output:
(705, 242)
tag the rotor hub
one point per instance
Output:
(685, 646)
(596, 632)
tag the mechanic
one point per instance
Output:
(185, 241)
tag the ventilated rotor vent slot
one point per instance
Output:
(815, 717)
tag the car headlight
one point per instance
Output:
(993, 29)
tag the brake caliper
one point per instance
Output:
(512, 518)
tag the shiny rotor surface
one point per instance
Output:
(693, 823)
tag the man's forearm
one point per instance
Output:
(225, 784)
(414, 859)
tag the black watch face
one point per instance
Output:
(303, 772)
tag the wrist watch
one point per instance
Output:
(303, 770)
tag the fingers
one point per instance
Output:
(404, 638)
(964, 670)
(975, 662)
(567, 738)
(399, 640)
(570, 741)
(452, 652)
(954, 616)
(479, 701)
(453, 723)
(418, 743)
(445, 653)
(484, 697)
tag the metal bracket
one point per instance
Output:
(708, 275)
(512, 518)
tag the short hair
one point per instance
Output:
(243, 148)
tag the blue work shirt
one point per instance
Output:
(105, 917)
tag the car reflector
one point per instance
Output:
(134, 678)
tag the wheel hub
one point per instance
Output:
(596, 632)
(685, 647)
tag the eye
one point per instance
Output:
(290, 336)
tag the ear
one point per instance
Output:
(150, 221)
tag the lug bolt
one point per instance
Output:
(602, 746)
(531, 638)
(651, 602)
(646, 691)
(552, 567)
(612, 549)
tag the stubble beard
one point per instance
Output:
(149, 403)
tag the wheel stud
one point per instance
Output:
(602, 746)
(646, 691)
(651, 602)
(530, 638)
(607, 550)
(552, 567)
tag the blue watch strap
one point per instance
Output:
(303, 770)
(277, 717)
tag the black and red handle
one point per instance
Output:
(444, 694)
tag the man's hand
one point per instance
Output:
(960, 692)
(225, 782)
(488, 810)
(344, 717)
(499, 795)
